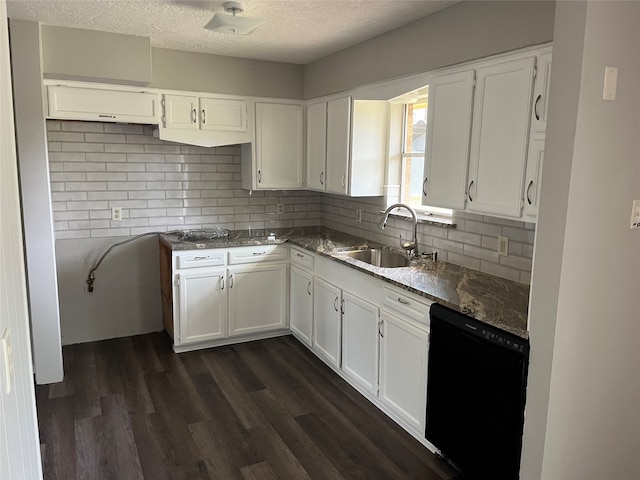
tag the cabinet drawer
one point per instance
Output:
(302, 258)
(407, 305)
(261, 253)
(206, 258)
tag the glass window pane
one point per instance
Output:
(415, 132)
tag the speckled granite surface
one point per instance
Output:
(496, 301)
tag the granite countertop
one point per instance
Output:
(493, 300)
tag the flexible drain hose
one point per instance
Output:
(91, 278)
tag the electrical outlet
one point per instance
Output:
(280, 208)
(8, 360)
(635, 214)
(116, 214)
(359, 216)
(503, 246)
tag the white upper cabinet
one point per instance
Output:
(223, 114)
(205, 121)
(207, 113)
(499, 139)
(338, 139)
(181, 111)
(534, 174)
(316, 145)
(541, 94)
(535, 157)
(104, 105)
(275, 160)
(448, 136)
(356, 139)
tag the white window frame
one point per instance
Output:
(421, 210)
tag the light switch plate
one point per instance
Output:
(610, 83)
(635, 214)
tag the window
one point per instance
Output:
(413, 152)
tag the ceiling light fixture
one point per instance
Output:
(230, 23)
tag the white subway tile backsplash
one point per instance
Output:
(104, 138)
(163, 186)
(73, 126)
(123, 128)
(127, 148)
(81, 147)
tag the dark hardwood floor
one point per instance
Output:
(130, 408)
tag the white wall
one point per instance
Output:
(19, 444)
(465, 31)
(91, 55)
(593, 421)
(36, 201)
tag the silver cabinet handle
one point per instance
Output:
(259, 253)
(469, 191)
(259, 176)
(335, 304)
(529, 192)
(309, 288)
(203, 117)
(200, 258)
(299, 255)
(535, 107)
(230, 281)
(424, 186)
(321, 178)
(221, 282)
(194, 116)
(380, 326)
(106, 116)
(343, 178)
(403, 301)
(342, 307)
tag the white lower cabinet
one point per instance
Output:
(327, 321)
(301, 304)
(360, 341)
(403, 369)
(220, 296)
(257, 298)
(203, 306)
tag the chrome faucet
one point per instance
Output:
(410, 247)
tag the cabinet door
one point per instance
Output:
(403, 369)
(448, 137)
(181, 111)
(326, 324)
(541, 94)
(257, 298)
(279, 140)
(103, 105)
(301, 304)
(338, 145)
(502, 109)
(316, 145)
(203, 306)
(360, 341)
(533, 177)
(222, 114)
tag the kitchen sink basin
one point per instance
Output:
(381, 258)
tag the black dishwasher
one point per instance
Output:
(475, 395)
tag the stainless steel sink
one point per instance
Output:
(381, 258)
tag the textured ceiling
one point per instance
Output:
(296, 31)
